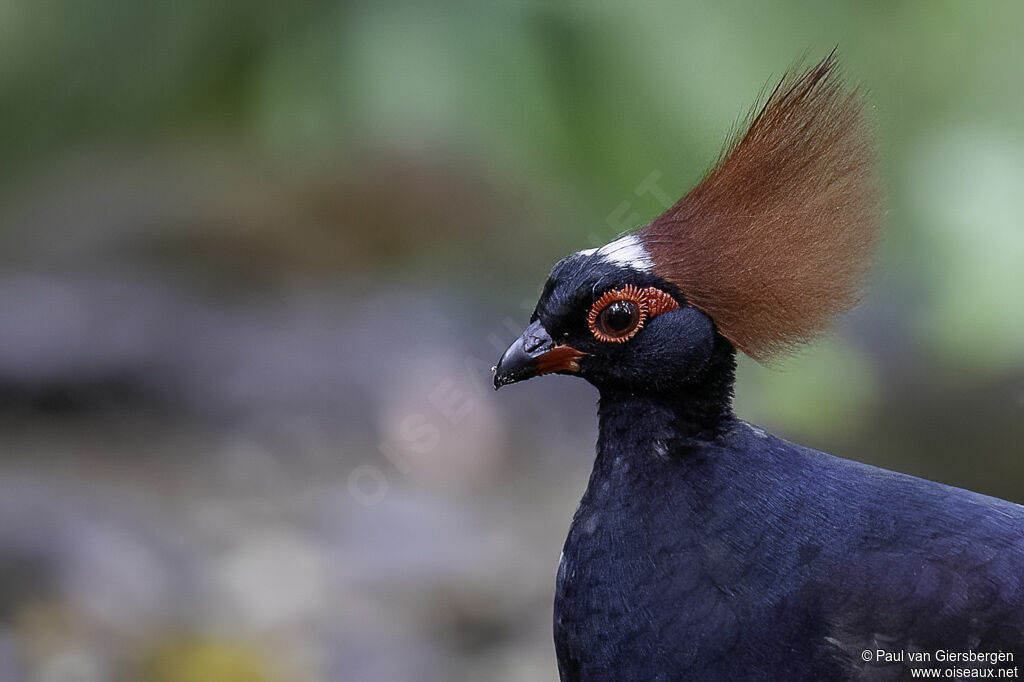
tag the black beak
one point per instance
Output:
(533, 354)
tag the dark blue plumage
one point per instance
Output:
(747, 557)
(705, 548)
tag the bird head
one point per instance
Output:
(759, 256)
(606, 316)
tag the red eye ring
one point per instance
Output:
(649, 303)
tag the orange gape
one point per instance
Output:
(559, 359)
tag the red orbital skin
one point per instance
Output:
(651, 301)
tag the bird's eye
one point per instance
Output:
(619, 318)
(618, 315)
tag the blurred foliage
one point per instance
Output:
(321, 211)
(478, 142)
(203, 661)
(575, 103)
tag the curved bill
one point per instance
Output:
(534, 353)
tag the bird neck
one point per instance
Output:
(675, 418)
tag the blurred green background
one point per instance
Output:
(257, 259)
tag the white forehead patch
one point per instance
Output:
(626, 251)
